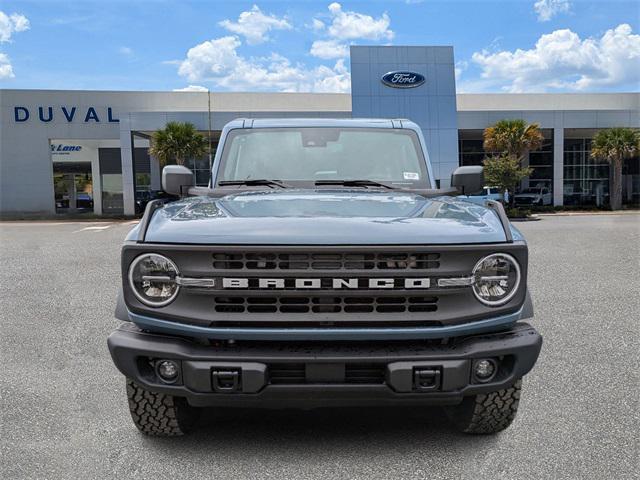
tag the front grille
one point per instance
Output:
(325, 287)
(325, 304)
(287, 374)
(354, 373)
(326, 261)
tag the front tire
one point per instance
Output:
(487, 413)
(158, 414)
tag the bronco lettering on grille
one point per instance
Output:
(412, 283)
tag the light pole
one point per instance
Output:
(209, 119)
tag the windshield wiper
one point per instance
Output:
(255, 181)
(355, 183)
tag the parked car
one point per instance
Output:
(84, 200)
(145, 196)
(487, 193)
(316, 272)
(534, 196)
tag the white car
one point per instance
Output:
(487, 193)
(534, 196)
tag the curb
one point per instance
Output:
(569, 214)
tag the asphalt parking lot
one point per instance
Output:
(64, 412)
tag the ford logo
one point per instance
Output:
(403, 79)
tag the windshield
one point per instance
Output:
(531, 190)
(393, 156)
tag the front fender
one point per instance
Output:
(527, 307)
(121, 312)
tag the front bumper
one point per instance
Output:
(306, 374)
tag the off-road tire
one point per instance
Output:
(487, 413)
(159, 414)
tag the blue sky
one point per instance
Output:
(500, 46)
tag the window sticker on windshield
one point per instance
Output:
(411, 176)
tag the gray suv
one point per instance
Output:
(322, 267)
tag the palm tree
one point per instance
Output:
(514, 138)
(615, 145)
(508, 142)
(177, 141)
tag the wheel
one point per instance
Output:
(159, 414)
(487, 413)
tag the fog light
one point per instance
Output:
(167, 370)
(484, 370)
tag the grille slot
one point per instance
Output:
(355, 373)
(333, 304)
(365, 373)
(326, 261)
(287, 373)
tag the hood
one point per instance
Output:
(324, 217)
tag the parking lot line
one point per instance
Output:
(93, 228)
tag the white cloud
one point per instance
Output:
(254, 25)
(191, 88)
(562, 60)
(6, 70)
(547, 9)
(460, 67)
(327, 49)
(332, 80)
(126, 51)
(317, 25)
(10, 24)
(215, 57)
(351, 25)
(344, 26)
(218, 61)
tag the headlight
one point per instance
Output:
(153, 279)
(496, 279)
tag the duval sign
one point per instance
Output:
(46, 114)
(403, 79)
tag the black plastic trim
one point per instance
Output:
(121, 312)
(502, 215)
(521, 345)
(150, 209)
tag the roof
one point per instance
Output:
(477, 102)
(323, 122)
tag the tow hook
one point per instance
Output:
(226, 381)
(426, 379)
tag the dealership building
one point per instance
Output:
(87, 151)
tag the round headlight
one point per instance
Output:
(153, 279)
(496, 279)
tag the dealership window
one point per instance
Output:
(471, 152)
(470, 147)
(586, 180)
(72, 175)
(200, 169)
(142, 169)
(541, 161)
(111, 181)
(73, 187)
(631, 182)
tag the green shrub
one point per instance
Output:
(517, 212)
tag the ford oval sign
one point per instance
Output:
(403, 79)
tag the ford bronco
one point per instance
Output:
(322, 267)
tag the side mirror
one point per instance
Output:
(468, 180)
(176, 179)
